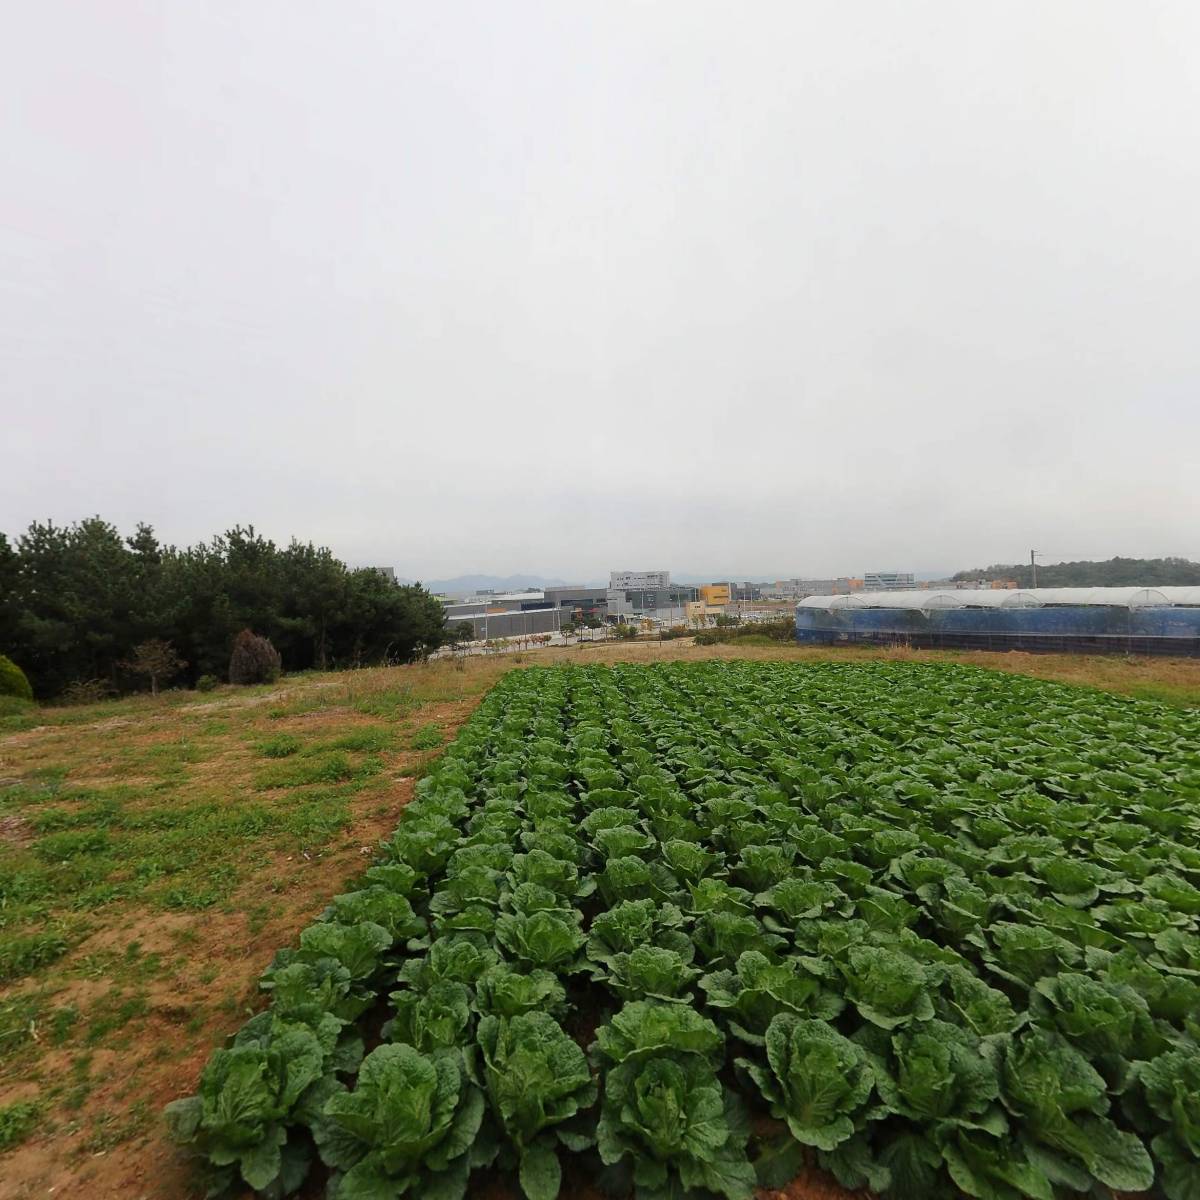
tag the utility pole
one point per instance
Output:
(1033, 564)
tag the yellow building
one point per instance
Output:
(715, 594)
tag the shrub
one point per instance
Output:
(206, 683)
(87, 691)
(155, 659)
(254, 659)
(675, 631)
(761, 633)
(13, 681)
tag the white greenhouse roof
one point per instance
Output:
(1119, 597)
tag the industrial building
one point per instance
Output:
(618, 580)
(579, 601)
(888, 581)
(647, 596)
(797, 589)
(508, 624)
(497, 602)
(1110, 620)
(664, 606)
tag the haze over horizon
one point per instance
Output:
(467, 288)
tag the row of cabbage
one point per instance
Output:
(935, 928)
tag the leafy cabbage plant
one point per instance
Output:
(250, 1094)
(379, 904)
(504, 992)
(436, 1019)
(888, 987)
(815, 1079)
(537, 1080)
(410, 1125)
(646, 1029)
(1061, 1103)
(652, 972)
(459, 959)
(632, 924)
(546, 940)
(1168, 1088)
(674, 1128)
(757, 990)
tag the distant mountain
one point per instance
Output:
(1113, 572)
(494, 583)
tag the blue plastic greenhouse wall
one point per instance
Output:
(1089, 628)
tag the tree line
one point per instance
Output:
(77, 601)
(1112, 572)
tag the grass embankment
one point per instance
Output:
(154, 852)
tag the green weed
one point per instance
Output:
(280, 746)
(22, 955)
(370, 738)
(429, 737)
(17, 1121)
(327, 768)
(59, 847)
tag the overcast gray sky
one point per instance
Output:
(751, 289)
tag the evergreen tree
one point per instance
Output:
(76, 601)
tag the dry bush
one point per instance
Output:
(254, 659)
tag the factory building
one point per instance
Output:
(618, 580)
(509, 624)
(888, 581)
(581, 602)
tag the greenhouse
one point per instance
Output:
(1120, 620)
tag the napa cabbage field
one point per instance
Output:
(683, 929)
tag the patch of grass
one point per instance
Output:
(326, 768)
(307, 702)
(59, 847)
(114, 1012)
(429, 737)
(99, 895)
(62, 1021)
(48, 777)
(98, 815)
(19, 1018)
(17, 1121)
(389, 702)
(23, 884)
(315, 821)
(371, 738)
(280, 746)
(22, 955)
(201, 889)
(110, 1129)
(1165, 693)
(17, 715)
